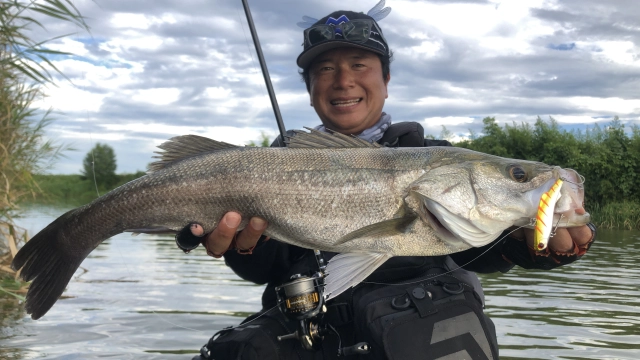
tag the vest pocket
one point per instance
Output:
(435, 321)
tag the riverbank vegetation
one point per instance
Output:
(608, 157)
(25, 69)
(75, 190)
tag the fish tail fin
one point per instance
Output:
(44, 261)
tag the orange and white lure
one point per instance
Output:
(544, 218)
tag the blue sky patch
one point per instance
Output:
(562, 47)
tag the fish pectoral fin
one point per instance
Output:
(181, 147)
(385, 228)
(152, 230)
(348, 269)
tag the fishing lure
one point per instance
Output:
(544, 218)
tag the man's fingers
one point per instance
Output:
(561, 242)
(196, 230)
(220, 239)
(249, 236)
(564, 238)
(582, 235)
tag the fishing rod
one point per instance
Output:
(301, 299)
(265, 71)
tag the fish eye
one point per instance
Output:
(518, 173)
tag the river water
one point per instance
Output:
(142, 298)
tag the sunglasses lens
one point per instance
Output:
(320, 33)
(356, 31)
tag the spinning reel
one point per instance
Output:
(302, 300)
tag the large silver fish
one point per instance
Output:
(327, 192)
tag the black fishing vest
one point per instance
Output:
(412, 307)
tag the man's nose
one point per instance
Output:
(344, 79)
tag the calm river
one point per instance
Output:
(142, 298)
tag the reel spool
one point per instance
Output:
(302, 300)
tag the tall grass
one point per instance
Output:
(24, 150)
(619, 215)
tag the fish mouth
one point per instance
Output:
(569, 210)
(453, 228)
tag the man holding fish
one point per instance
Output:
(345, 65)
(400, 222)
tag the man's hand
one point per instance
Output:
(220, 239)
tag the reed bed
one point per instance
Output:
(616, 215)
(12, 238)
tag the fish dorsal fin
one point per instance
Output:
(185, 146)
(318, 139)
(348, 269)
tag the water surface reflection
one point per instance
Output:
(142, 298)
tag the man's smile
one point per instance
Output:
(345, 102)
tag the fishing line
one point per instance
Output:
(228, 327)
(452, 270)
(246, 41)
(496, 242)
(93, 165)
(162, 318)
(95, 183)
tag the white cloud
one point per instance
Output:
(613, 105)
(173, 68)
(217, 92)
(447, 121)
(130, 21)
(620, 52)
(155, 96)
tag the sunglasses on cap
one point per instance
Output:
(356, 31)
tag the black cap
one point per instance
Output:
(375, 43)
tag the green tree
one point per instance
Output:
(608, 158)
(264, 141)
(99, 166)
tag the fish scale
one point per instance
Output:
(367, 202)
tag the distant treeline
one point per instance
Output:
(74, 189)
(608, 157)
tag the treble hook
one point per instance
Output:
(553, 231)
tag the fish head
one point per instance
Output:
(475, 199)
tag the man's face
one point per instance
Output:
(347, 89)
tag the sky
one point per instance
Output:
(149, 70)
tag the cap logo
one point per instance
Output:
(333, 21)
(338, 21)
